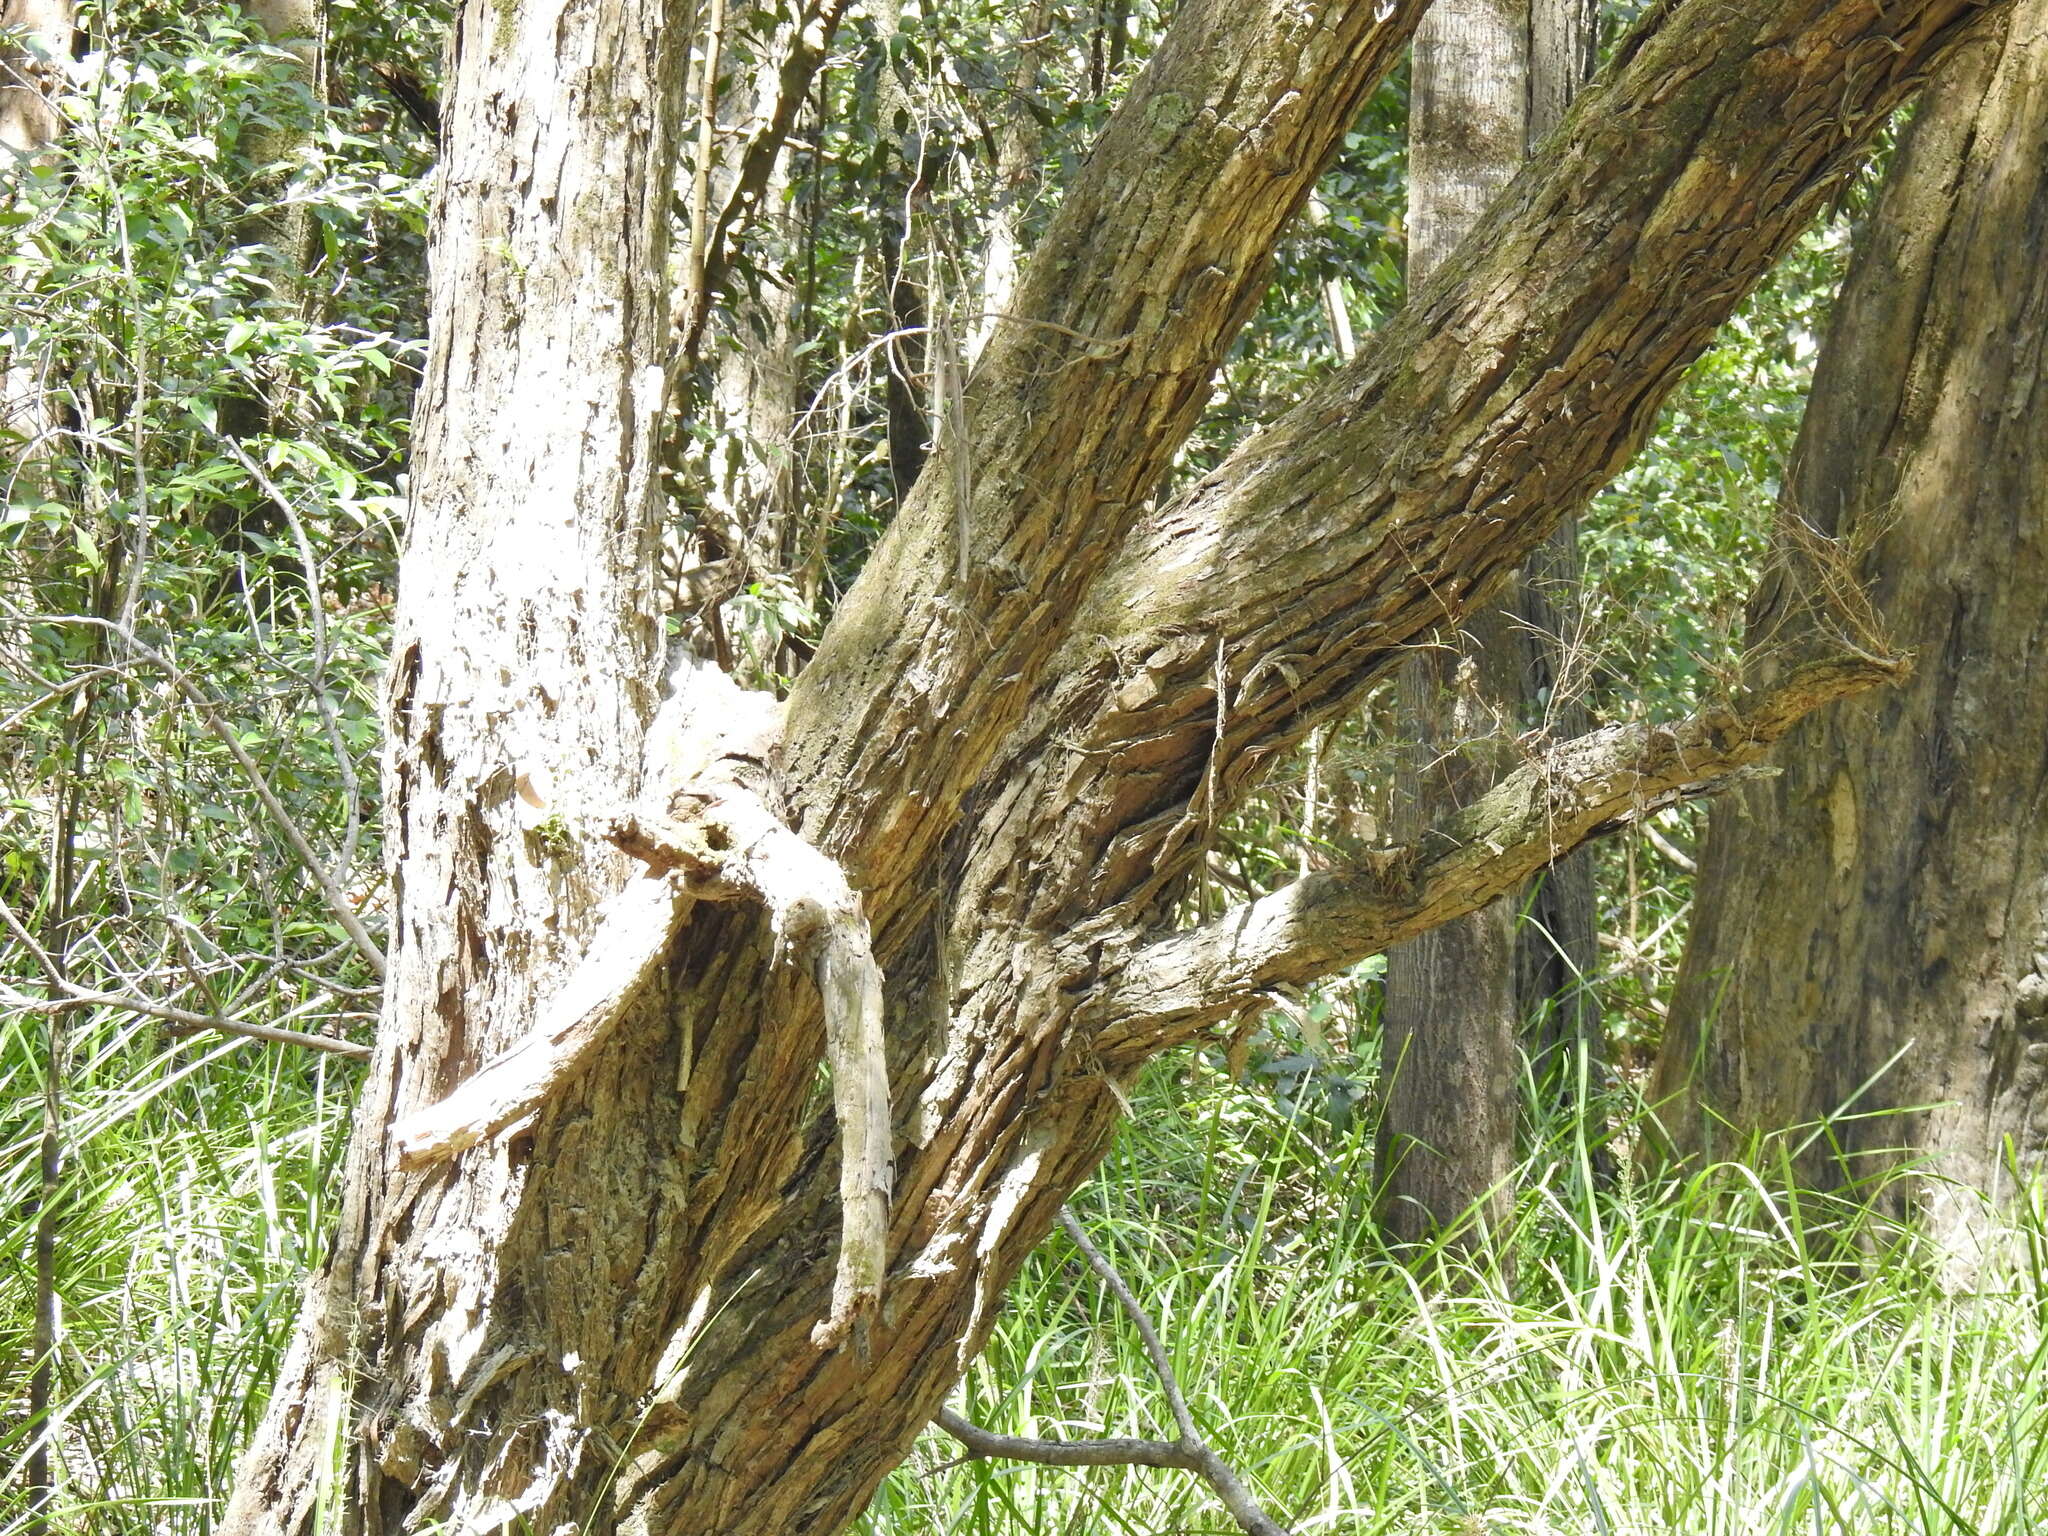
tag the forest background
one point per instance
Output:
(216, 293)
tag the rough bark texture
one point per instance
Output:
(607, 1317)
(1491, 80)
(29, 123)
(524, 672)
(1873, 924)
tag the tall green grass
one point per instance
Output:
(196, 1184)
(1707, 1354)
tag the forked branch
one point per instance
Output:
(1190, 1452)
(1575, 791)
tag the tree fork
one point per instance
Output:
(608, 1318)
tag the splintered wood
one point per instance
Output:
(707, 830)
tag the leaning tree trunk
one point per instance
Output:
(1017, 736)
(1872, 927)
(1491, 80)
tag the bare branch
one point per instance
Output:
(1162, 1366)
(183, 1021)
(1110, 1451)
(1190, 1453)
(1576, 791)
(1676, 855)
(66, 995)
(337, 900)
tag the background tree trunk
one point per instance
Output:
(29, 124)
(1020, 146)
(299, 27)
(1872, 925)
(1491, 80)
(29, 60)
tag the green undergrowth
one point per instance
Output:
(1699, 1354)
(197, 1182)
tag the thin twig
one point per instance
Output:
(184, 1021)
(200, 700)
(66, 995)
(1190, 1453)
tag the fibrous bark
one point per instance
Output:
(1871, 934)
(32, 58)
(1491, 80)
(609, 1317)
(525, 669)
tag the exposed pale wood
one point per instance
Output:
(634, 928)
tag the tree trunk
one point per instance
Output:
(30, 62)
(1871, 934)
(40, 45)
(1019, 149)
(607, 1316)
(299, 28)
(523, 674)
(1491, 80)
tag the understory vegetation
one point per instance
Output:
(196, 562)
(1716, 1353)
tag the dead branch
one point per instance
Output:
(66, 995)
(183, 1021)
(1190, 1453)
(706, 831)
(1673, 854)
(1576, 791)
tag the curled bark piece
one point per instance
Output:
(633, 932)
(716, 837)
